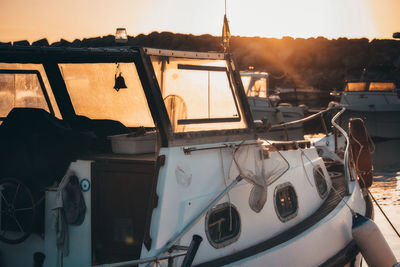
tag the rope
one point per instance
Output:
(360, 172)
(333, 188)
(304, 167)
(287, 163)
(384, 214)
(358, 158)
(226, 185)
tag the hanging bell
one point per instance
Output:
(119, 82)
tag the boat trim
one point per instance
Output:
(185, 54)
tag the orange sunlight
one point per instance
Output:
(32, 20)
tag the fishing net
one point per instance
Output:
(258, 171)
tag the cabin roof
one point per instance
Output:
(32, 54)
(17, 53)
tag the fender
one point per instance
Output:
(360, 152)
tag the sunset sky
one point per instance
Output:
(55, 19)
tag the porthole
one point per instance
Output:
(222, 225)
(286, 205)
(320, 182)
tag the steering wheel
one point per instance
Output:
(17, 211)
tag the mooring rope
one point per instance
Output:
(362, 178)
(384, 214)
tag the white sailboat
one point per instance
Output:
(378, 103)
(185, 181)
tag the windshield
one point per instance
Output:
(255, 86)
(382, 86)
(25, 86)
(198, 94)
(355, 86)
(370, 86)
(91, 87)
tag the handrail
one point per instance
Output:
(346, 152)
(303, 119)
(189, 149)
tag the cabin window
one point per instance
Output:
(356, 86)
(255, 86)
(198, 94)
(222, 225)
(25, 86)
(320, 182)
(286, 205)
(92, 92)
(382, 86)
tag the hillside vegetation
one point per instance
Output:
(302, 63)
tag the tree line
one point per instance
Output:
(292, 62)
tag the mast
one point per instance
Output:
(226, 34)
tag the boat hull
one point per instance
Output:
(331, 237)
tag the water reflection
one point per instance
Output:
(386, 188)
(387, 156)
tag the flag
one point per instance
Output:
(226, 34)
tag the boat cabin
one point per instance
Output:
(370, 96)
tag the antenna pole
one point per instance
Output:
(225, 7)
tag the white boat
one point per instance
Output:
(378, 103)
(185, 181)
(265, 107)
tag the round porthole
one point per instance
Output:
(286, 205)
(320, 182)
(222, 225)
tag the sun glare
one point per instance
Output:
(265, 18)
(307, 18)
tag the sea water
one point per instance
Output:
(386, 190)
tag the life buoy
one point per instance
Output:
(360, 152)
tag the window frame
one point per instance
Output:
(292, 215)
(317, 171)
(237, 232)
(211, 120)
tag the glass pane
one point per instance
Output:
(356, 86)
(7, 94)
(246, 82)
(91, 88)
(222, 101)
(23, 89)
(197, 93)
(259, 88)
(286, 203)
(381, 86)
(20, 90)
